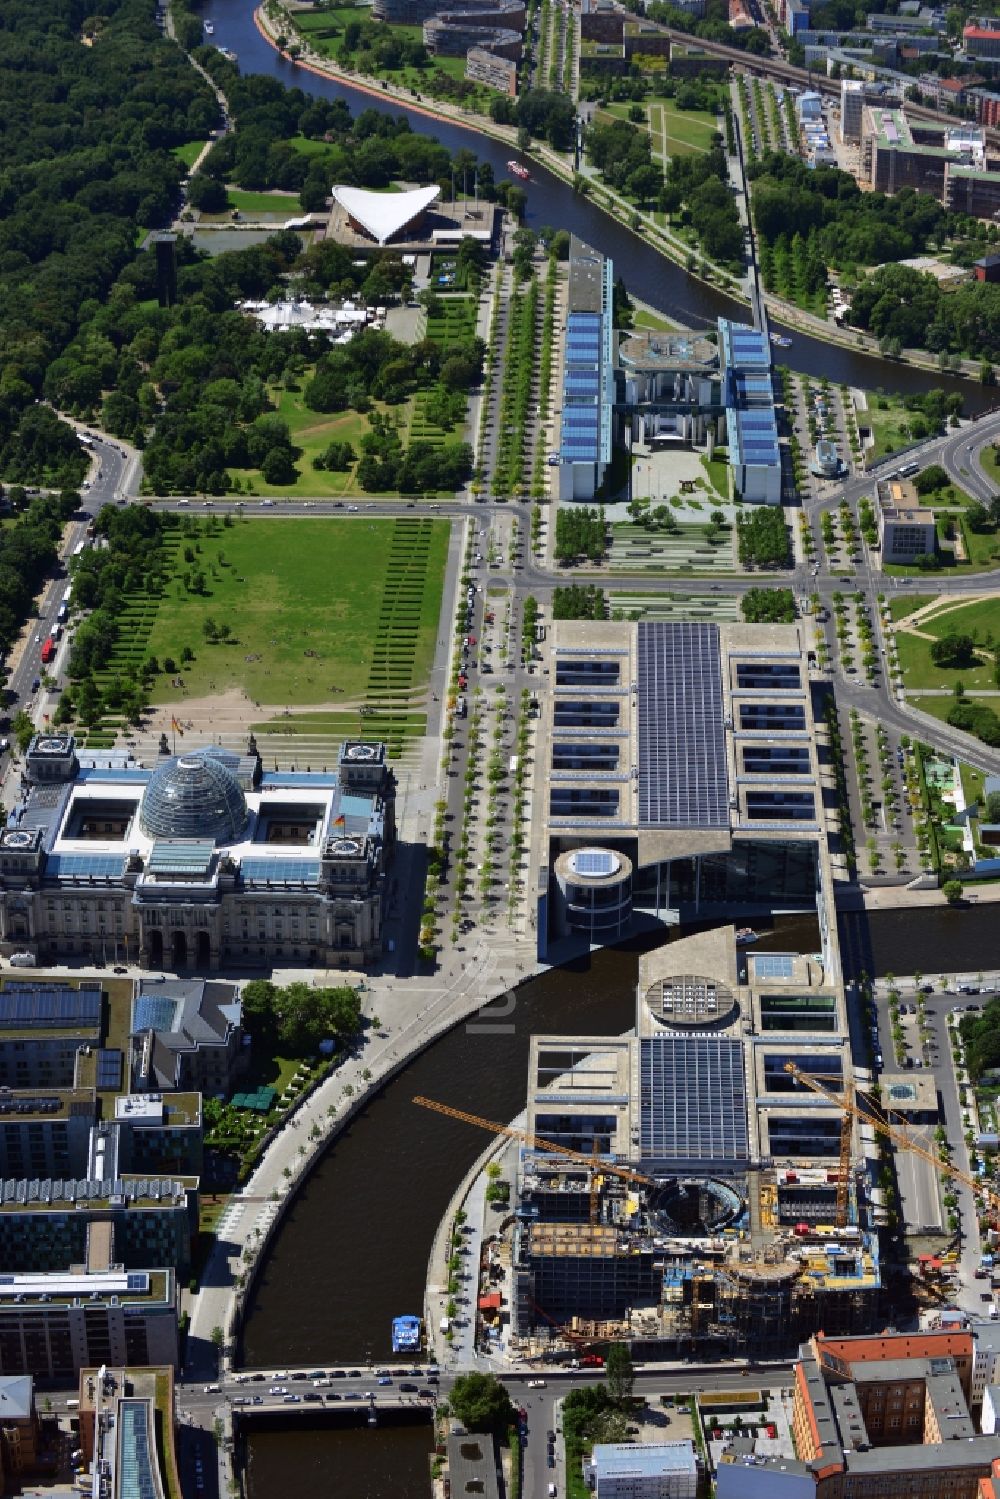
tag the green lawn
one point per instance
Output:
(189, 152)
(890, 427)
(982, 616)
(350, 592)
(919, 670)
(908, 603)
(248, 202)
(679, 132)
(940, 707)
(652, 322)
(305, 145)
(718, 472)
(312, 431)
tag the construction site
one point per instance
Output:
(699, 1184)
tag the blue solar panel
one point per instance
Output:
(108, 1072)
(138, 1280)
(153, 1012)
(85, 866)
(49, 1006)
(683, 780)
(280, 871)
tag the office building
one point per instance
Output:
(982, 39)
(500, 73)
(852, 108)
(986, 104)
(204, 859)
(587, 375)
(906, 529)
(702, 813)
(880, 1418)
(985, 1359)
(497, 26)
(724, 1241)
(641, 1470)
(681, 785)
(898, 152)
(668, 390)
(474, 1465)
(751, 424)
(972, 190)
(55, 1324)
(494, 27)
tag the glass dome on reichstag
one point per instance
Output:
(194, 796)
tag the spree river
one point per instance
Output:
(646, 273)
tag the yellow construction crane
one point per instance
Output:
(898, 1134)
(594, 1163)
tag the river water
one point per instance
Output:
(646, 273)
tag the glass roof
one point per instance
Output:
(194, 796)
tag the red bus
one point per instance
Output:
(48, 651)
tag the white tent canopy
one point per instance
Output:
(384, 214)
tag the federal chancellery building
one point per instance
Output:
(204, 859)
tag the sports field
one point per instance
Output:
(321, 611)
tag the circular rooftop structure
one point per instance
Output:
(689, 1002)
(194, 796)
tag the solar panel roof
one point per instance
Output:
(52, 1006)
(683, 780)
(693, 1105)
(108, 1071)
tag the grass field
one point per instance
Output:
(679, 132)
(889, 427)
(908, 603)
(318, 609)
(940, 707)
(189, 152)
(306, 146)
(651, 322)
(920, 672)
(982, 615)
(248, 202)
(312, 431)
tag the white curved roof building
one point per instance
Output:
(384, 215)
